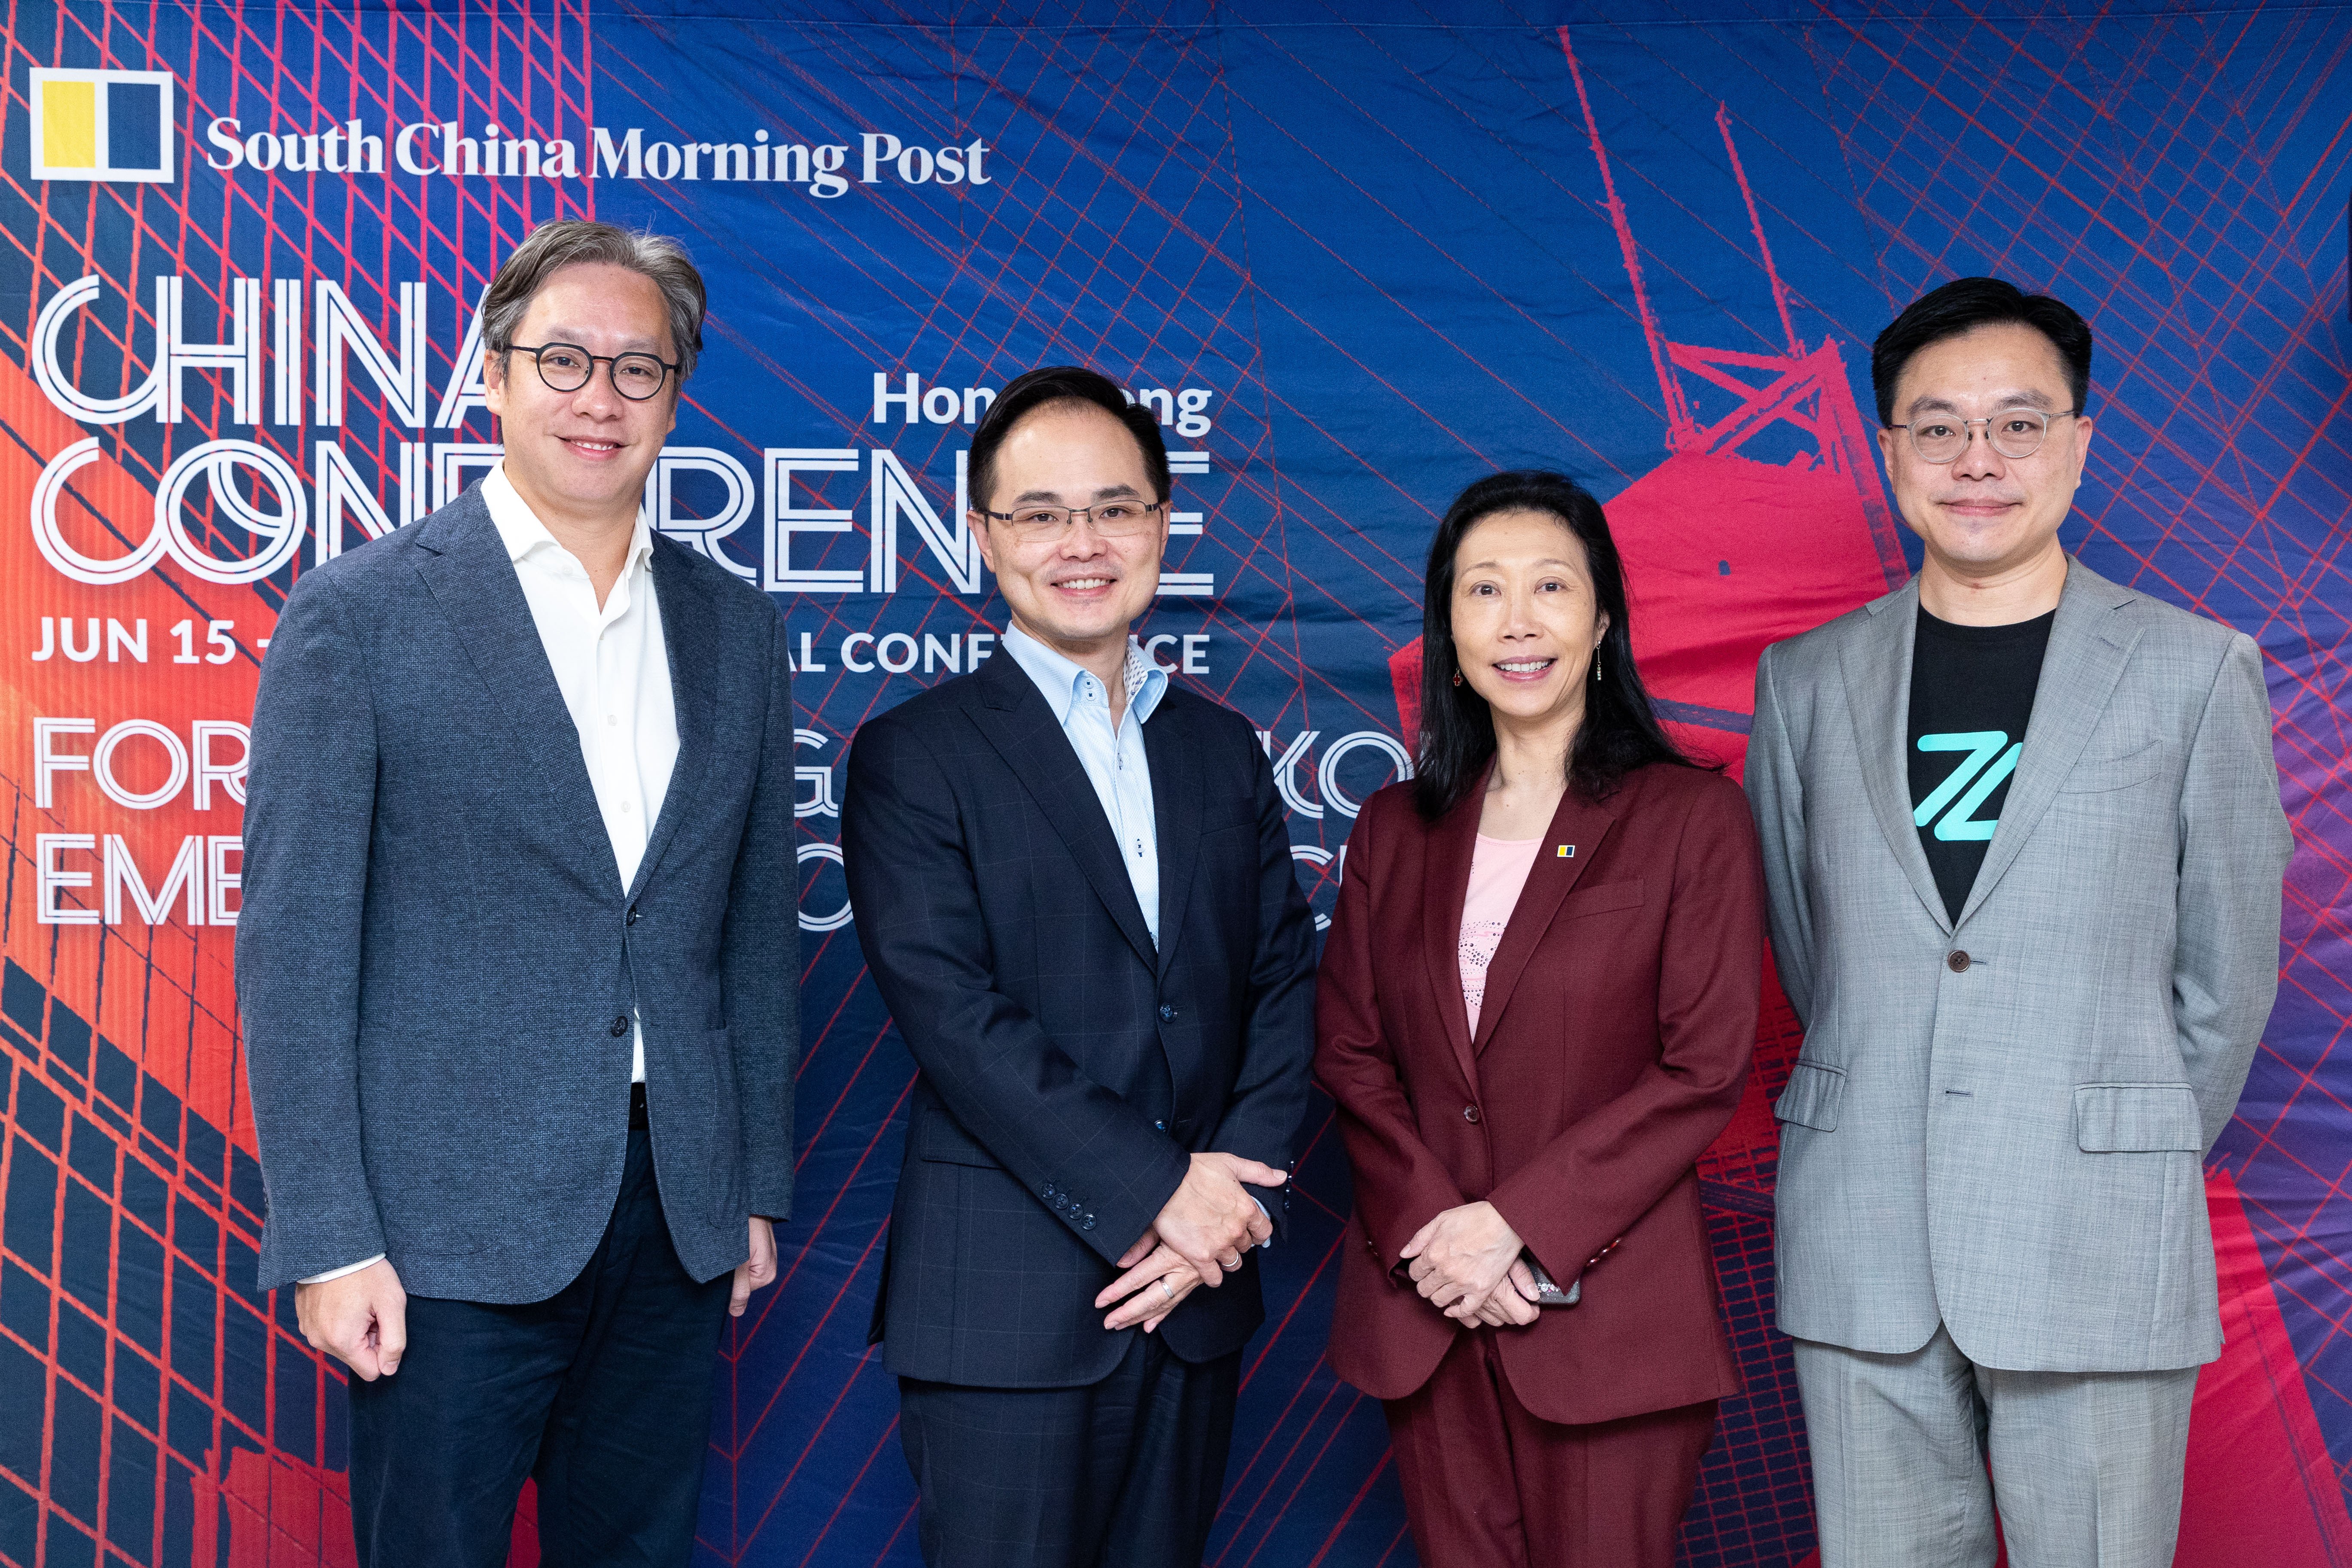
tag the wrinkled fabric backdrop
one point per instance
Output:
(1352, 265)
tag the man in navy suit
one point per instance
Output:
(1073, 888)
(518, 961)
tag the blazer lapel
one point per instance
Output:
(466, 569)
(1580, 823)
(2089, 645)
(1445, 884)
(1017, 722)
(1176, 819)
(690, 640)
(1877, 664)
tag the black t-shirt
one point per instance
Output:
(1971, 694)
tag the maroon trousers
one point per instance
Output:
(1487, 1485)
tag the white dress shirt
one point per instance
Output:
(1114, 759)
(612, 668)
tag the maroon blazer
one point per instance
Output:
(1612, 1049)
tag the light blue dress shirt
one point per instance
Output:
(1114, 759)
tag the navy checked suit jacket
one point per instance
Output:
(1068, 1068)
(437, 960)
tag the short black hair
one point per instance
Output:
(1962, 306)
(1043, 389)
(1621, 730)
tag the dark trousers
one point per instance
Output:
(1123, 1473)
(602, 1393)
(1488, 1485)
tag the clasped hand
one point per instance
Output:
(1198, 1239)
(1467, 1263)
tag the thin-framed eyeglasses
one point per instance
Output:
(1112, 519)
(566, 367)
(2012, 433)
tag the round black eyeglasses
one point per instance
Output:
(566, 367)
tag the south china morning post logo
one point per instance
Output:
(455, 150)
(104, 125)
(119, 125)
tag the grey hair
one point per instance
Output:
(573, 242)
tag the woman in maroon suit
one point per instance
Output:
(1536, 1010)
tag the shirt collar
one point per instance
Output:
(522, 533)
(1057, 677)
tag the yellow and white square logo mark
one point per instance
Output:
(103, 125)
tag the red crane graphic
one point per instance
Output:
(1724, 551)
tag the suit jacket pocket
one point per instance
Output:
(2102, 774)
(1812, 1098)
(942, 1139)
(1596, 900)
(2120, 1118)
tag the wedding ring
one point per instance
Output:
(1165, 1290)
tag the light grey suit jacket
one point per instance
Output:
(2012, 1143)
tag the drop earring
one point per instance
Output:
(1457, 678)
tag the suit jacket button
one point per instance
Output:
(1167, 1012)
(1470, 1113)
(620, 1026)
(633, 915)
(1160, 1126)
(1089, 1225)
(1957, 962)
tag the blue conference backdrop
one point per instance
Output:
(1350, 258)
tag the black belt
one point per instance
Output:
(637, 1122)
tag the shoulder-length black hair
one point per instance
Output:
(1621, 730)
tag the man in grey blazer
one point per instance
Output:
(518, 960)
(2022, 836)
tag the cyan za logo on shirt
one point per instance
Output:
(1976, 776)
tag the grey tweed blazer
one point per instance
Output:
(437, 960)
(1999, 1124)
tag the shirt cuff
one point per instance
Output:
(363, 1263)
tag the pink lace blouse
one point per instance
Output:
(1498, 869)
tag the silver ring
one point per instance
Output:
(1165, 1290)
(1229, 1267)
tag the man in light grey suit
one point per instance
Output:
(2022, 836)
(517, 959)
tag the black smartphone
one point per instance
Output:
(1547, 1290)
